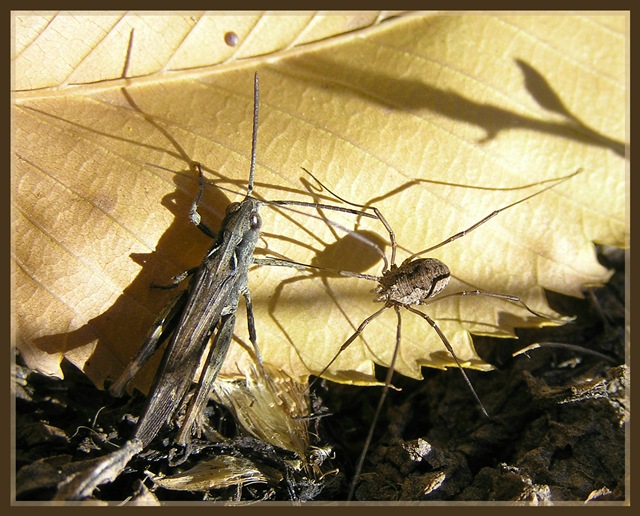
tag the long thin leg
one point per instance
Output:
(287, 204)
(279, 262)
(497, 295)
(379, 216)
(450, 350)
(251, 325)
(331, 207)
(348, 342)
(489, 217)
(376, 416)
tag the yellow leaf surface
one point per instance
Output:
(437, 120)
(53, 50)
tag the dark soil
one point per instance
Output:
(556, 431)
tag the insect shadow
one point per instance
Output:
(417, 281)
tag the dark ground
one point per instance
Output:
(556, 434)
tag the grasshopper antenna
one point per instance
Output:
(254, 137)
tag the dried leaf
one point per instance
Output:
(412, 115)
(219, 472)
(271, 407)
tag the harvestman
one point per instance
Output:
(417, 281)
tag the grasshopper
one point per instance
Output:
(208, 305)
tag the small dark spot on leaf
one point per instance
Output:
(231, 39)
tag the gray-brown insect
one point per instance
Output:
(205, 309)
